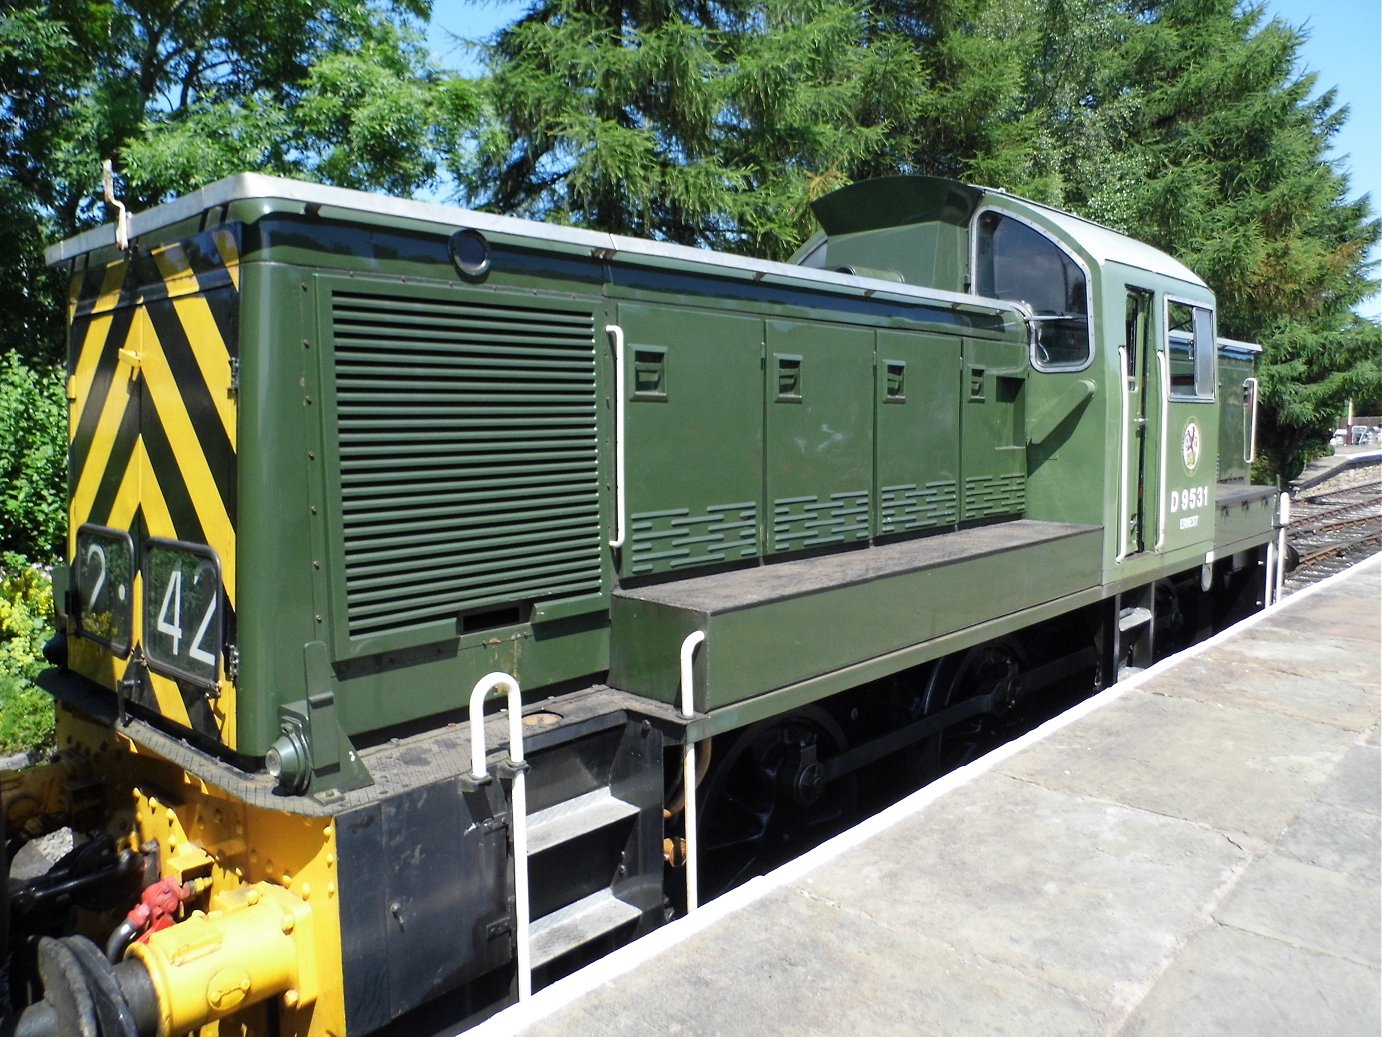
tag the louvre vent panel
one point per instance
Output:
(493, 475)
(468, 457)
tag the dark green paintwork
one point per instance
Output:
(694, 416)
(768, 417)
(917, 435)
(809, 617)
(722, 466)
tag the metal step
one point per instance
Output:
(571, 926)
(1133, 617)
(574, 817)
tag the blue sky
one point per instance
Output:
(1343, 46)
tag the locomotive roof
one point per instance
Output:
(1104, 244)
(897, 201)
(249, 187)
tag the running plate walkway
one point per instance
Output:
(1196, 851)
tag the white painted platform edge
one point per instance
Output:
(548, 1000)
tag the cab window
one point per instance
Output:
(1017, 263)
(1190, 348)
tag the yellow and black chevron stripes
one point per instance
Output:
(153, 428)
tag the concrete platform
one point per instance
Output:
(1195, 851)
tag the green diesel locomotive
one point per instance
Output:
(452, 598)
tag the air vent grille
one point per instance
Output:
(467, 452)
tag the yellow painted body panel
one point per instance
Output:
(149, 358)
(204, 833)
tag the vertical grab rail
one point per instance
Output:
(1284, 520)
(1164, 367)
(1123, 465)
(1250, 446)
(1270, 576)
(616, 333)
(519, 811)
(688, 770)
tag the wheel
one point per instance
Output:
(996, 666)
(765, 800)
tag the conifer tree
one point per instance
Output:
(711, 124)
(1233, 147)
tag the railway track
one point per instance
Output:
(1336, 521)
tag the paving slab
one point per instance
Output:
(1357, 780)
(1306, 906)
(1229, 677)
(1336, 837)
(1197, 853)
(1171, 755)
(837, 953)
(1087, 895)
(1229, 983)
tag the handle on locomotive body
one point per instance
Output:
(1124, 465)
(1250, 419)
(518, 820)
(616, 334)
(688, 768)
(1164, 368)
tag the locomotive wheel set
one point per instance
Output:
(451, 599)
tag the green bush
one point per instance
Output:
(26, 602)
(33, 458)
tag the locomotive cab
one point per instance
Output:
(1126, 386)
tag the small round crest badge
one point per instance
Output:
(1190, 445)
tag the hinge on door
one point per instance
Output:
(235, 376)
(233, 663)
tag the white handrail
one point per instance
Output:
(1270, 576)
(1251, 446)
(1123, 506)
(1164, 365)
(1284, 518)
(519, 809)
(620, 502)
(688, 768)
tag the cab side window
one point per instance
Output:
(1017, 263)
(1190, 345)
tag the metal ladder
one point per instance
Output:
(571, 926)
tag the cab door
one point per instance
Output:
(1139, 463)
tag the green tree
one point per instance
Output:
(180, 92)
(604, 117)
(33, 458)
(1187, 124)
(1233, 149)
(26, 603)
(367, 112)
(712, 124)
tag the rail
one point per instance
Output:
(1337, 515)
(1283, 520)
(688, 767)
(1164, 368)
(1250, 446)
(1123, 463)
(518, 809)
(616, 334)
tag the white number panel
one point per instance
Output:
(1184, 502)
(182, 611)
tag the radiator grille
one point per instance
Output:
(467, 451)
